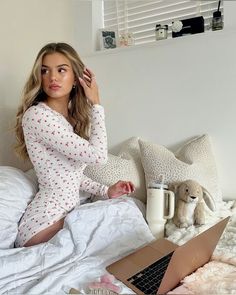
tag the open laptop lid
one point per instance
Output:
(192, 255)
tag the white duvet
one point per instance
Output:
(99, 233)
(94, 235)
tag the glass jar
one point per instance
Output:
(126, 39)
(217, 21)
(161, 32)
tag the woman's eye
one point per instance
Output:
(44, 71)
(61, 70)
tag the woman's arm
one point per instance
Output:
(100, 191)
(43, 125)
(96, 189)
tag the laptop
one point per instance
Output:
(160, 266)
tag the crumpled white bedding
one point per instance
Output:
(94, 235)
(99, 233)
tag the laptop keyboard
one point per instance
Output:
(149, 279)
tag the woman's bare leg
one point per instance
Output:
(46, 234)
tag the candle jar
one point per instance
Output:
(161, 32)
(126, 39)
(122, 40)
(130, 39)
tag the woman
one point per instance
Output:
(60, 107)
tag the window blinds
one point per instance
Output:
(141, 17)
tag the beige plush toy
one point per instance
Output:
(191, 201)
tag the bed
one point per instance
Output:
(98, 233)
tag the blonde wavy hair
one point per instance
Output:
(79, 108)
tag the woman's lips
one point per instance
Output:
(54, 87)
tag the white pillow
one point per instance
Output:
(118, 168)
(194, 160)
(16, 190)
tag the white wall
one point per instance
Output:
(166, 93)
(173, 90)
(25, 26)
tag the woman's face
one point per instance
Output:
(57, 76)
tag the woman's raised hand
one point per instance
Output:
(90, 86)
(120, 188)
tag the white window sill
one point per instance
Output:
(165, 42)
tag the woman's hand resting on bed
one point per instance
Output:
(120, 188)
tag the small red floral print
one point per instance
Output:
(59, 156)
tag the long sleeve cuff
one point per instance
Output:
(103, 194)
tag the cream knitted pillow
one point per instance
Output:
(194, 160)
(130, 150)
(122, 167)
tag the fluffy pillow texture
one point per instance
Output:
(126, 166)
(16, 190)
(130, 150)
(194, 160)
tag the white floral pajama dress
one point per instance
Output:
(59, 157)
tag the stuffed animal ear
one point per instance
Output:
(209, 200)
(174, 186)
